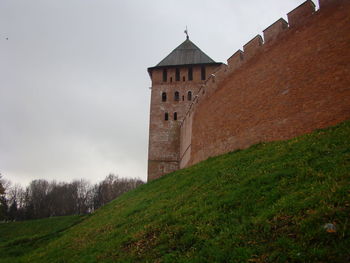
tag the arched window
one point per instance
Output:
(189, 95)
(164, 96)
(176, 96)
(177, 74)
(166, 116)
(203, 77)
(175, 116)
(190, 73)
(165, 75)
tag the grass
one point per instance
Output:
(20, 238)
(268, 203)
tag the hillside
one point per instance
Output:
(20, 238)
(268, 203)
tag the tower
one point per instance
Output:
(175, 82)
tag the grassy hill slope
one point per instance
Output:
(268, 203)
(20, 238)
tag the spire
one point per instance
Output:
(186, 32)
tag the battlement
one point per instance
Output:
(236, 60)
(253, 47)
(273, 31)
(298, 15)
(258, 46)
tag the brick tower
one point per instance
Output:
(175, 82)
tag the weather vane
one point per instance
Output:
(186, 32)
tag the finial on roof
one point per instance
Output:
(186, 32)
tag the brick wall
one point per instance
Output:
(164, 135)
(292, 85)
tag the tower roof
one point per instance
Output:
(187, 53)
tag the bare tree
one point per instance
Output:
(38, 191)
(44, 199)
(112, 187)
(16, 200)
(83, 198)
(3, 201)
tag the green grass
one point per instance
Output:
(268, 203)
(20, 238)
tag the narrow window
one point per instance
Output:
(175, 116)
(176, 96)
(177, 74)
(164, 96)
(166, 116)
(190, 74)
(183, 78)
(183, 98)
(203, 77)
(189, 95)
(171, 79)
(165, 75)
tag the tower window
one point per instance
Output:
(189, 95)
(164, 96)
(165, 75)
(166, 116)
(183, 78)
(203, 77)
(176, 96)
(177, 74)
(175, 116)
(190, 74)
(171, 79)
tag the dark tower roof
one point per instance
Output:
(185, 54)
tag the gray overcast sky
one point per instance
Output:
(74, 97)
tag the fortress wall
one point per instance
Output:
(298, 81)
(204, 93)
(252, 47)
(273, 31)
(236, 60)
(185, 141)
(298, 15)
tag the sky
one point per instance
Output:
(74, 87)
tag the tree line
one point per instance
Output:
(42, 198)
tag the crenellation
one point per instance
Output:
(253, 47)
(233, 109)
(274, 30)
(236, 60)
(298, 15)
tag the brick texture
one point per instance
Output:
(301, 13)
(273, 31)
(299, 83)
(164, 135)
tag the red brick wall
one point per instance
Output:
(293, 85)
